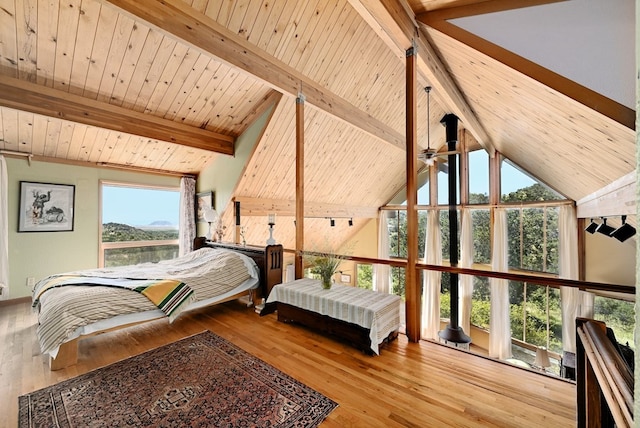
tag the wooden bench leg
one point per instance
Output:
(67, 356)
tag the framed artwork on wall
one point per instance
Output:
(46, 207)
(203, 200)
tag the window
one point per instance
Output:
(532, 215)
(618, 315)
(533, 239)
(139, 224)
(443, 183)
(516, 186)
(479, 170)
(364, 278)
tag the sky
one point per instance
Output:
(142, 206)
(512, 179)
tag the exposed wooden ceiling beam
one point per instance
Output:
(391, 21)
(283, 207)
(598, 102)
(272, 97)
(22, 95)
(179, 20)
(490, 6)
(616, 198)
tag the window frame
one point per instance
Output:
(463, 203)
(103, 246)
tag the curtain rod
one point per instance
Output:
(142, 169)
(29, 156)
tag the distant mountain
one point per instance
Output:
(161, 223)
(117, 232)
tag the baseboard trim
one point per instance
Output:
(9, 302)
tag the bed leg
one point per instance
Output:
(67, 356)
(248, 299)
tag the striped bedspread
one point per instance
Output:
(205, 274)
(380, 313)
(169, 295)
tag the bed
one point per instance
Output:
(73, 305)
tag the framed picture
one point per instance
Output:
(203, 200)
(345, 278)
(46, 207)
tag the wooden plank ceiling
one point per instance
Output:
(347, 56)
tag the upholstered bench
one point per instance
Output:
(364, 318)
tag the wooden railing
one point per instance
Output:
(604, 381)
(512, 275)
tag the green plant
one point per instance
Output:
(325, 265)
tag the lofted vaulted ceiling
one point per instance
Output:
(170, 85)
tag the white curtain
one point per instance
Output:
(466, 261)
(4, 229)
(187, 214)
(575, 303)
(431, 279)
(500, 324)
(381, 272)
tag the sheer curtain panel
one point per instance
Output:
(381, 272)
(431, 279)
(187, 214)
(4, 230)
(500, 322)
(575, 303)
(466, 261)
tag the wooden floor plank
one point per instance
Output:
(407, 385)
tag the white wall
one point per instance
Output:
(588, 41)
(609, 260)
(39, 254)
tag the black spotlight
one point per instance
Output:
(625, 231)
(593, 226)
(332, 222)
(604, 228)
(350, 222)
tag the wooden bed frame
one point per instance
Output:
(268, 259)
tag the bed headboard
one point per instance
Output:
(268, 259)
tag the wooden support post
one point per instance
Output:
(412, 286)
(299, 186)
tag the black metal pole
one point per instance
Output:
(453, 332)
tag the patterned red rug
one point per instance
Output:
(200, 381)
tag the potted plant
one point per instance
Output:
(325, 265)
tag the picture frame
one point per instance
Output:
(46, 207)
(345, 278)
(203, 200)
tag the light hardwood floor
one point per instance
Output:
(408, 384)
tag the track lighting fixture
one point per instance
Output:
(593, 226)
(625, 231)
(333, 222)
(350, 222)
(604, 228)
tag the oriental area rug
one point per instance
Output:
(200, 381)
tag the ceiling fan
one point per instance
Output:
(429, 155)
